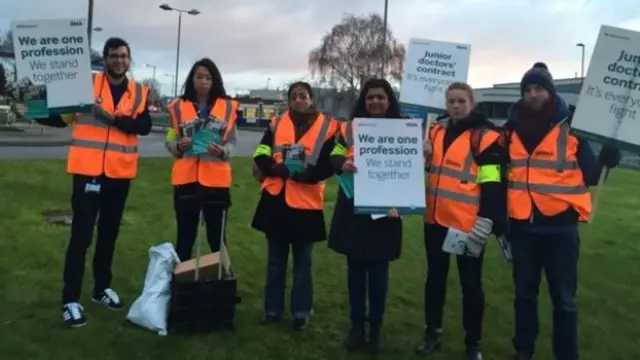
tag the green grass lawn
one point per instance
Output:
(31, 255)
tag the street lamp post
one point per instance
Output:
(384, 40)
(153, 84)
(581, 45)
(193, 12)
(173, 80)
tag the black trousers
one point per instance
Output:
(187, 209)
(92, 196)
(470, 272)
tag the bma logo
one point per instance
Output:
(75, 23)
(461, 47)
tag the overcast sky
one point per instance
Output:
(253, 40)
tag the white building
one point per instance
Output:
(496, 101)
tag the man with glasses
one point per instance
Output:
(103, 159)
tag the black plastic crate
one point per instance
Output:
(204, 306)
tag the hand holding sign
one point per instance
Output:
(215, 150)
(349, 166)
(53, 65)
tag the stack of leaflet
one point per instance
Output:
(294, 159)
(202, 133)
(345, 180)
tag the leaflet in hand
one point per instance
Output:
(345, 180)
(201, 139)
(202, 132)
(294, 165)
(294, 158)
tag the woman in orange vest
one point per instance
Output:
(294, 159)
(463, 195)
(201, 173)
(368, 244)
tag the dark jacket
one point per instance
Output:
(357, 235)
(567, 220)
(492, 204)
(273, 216)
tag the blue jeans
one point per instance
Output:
(302, 290)
(557, 254)
(367, 278)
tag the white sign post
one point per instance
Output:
(55, 53)
(388, 156)
(608, 110)
(429, 67)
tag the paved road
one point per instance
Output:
(150, 146)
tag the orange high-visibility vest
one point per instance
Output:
(297, 195)
(98, 148)
(453, 191)
(346, 129)
(550, 178)
(206, 169)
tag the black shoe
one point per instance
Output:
(431, 342)
(72, 315)
(473, 353)
(300, 324)
(270, 318)
(356, 338)
(375, 338)
(109, 299)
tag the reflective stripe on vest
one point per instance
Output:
(205, 169)
(453, 192)
(95, 119)
(549, 179)
(225, 121)
(100, 145)
(560, 164)
(299, 195)
(99, 148)
(348, 136)
(312, 159)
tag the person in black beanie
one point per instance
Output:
(550, 170)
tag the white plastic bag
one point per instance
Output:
(458, 242)
(151, 308)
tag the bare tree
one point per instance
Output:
(154, 89)
(352, 52)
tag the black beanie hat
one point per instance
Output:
(538, 75)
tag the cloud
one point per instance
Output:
(253, 40)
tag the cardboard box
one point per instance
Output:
(209, 268)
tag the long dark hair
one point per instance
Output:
(217, 86)
(360, 109)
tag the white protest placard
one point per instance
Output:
(55, 53)
(608, 109)
(388, 156)
(429, 67)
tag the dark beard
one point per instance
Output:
(115, 76)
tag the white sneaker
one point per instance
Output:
(72, 315)
(108, 298)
